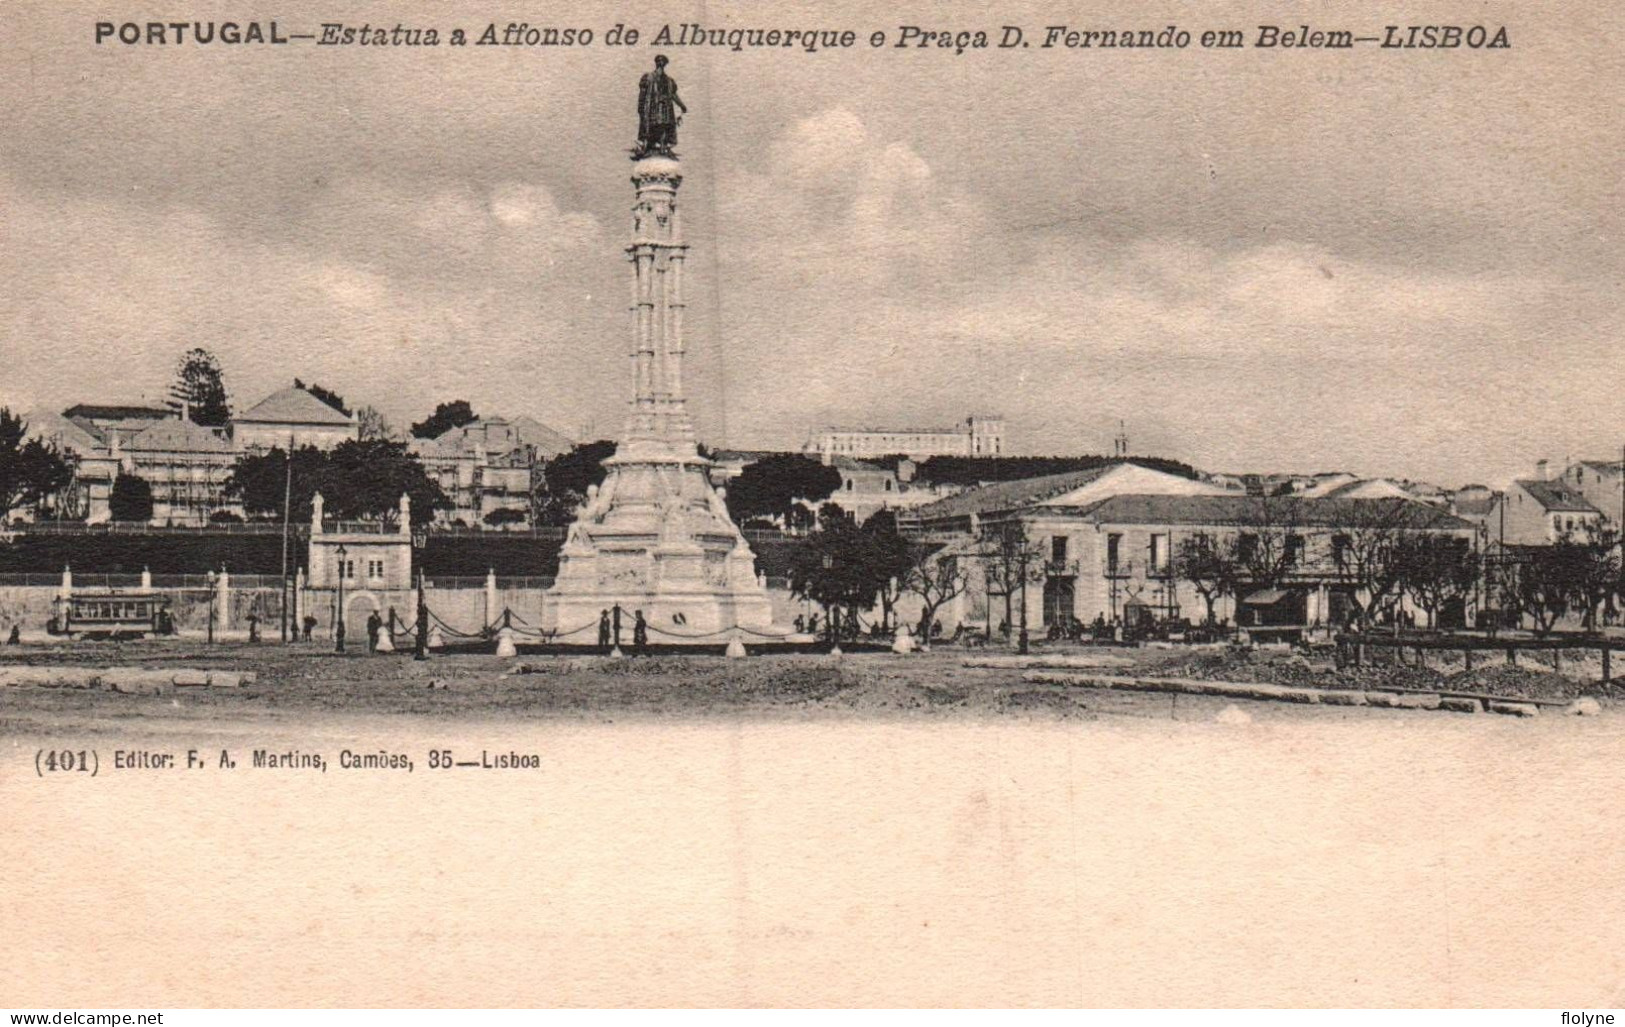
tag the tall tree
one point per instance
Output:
(30, 471)
(201, 386)
(772, 486)
(446, 416)
(832, 567)
(891, 556)
(131, 499)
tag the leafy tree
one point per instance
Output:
(1542, 584)
(358, 481)
(772, 486)
(372, 426)
(832, 567)
(131, 498)
(365, 480)
(446, 416)
(559, 486)
(1435, 570)
(327, 396)
(201, 386)
(1211, 565)
(890, 556)
(1591, 562)
(260, 481)
(30, 471)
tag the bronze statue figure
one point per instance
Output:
(658, 112)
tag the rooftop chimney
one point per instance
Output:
(1540, 470)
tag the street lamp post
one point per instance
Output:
(338, 615)
(420, 542)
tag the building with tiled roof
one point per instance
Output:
(292, 416)
(1600, 483)
(1535, 512)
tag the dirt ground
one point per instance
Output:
(296, 686)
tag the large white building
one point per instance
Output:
(980, 435)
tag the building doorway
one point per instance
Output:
(1058, 601)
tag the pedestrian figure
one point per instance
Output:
(310, 625)
(16, 636)
(375, 624)
(640, 631)
(616, 623)
(253, 627)
(603, 629)
(801, 624)
(812, 624)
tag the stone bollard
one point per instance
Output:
(505, 643)
(902, 642)
(736, 649)
(436, 641)
(385, 643)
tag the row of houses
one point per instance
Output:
(482, 467)
(1108, 540)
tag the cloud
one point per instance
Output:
(392, 296)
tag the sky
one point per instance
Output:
(1401, 263)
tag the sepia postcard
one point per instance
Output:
(732, 504)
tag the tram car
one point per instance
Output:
(112, 615)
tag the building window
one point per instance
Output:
(1246, 547)
(1057, 549)
(1159, 554)
(1114, 548)
(1294, 550)
(375, 570)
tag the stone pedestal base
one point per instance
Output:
(657, 538)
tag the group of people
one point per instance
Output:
(609, 629)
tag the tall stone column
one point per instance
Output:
(656, 252)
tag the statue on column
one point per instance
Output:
(660, 110)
